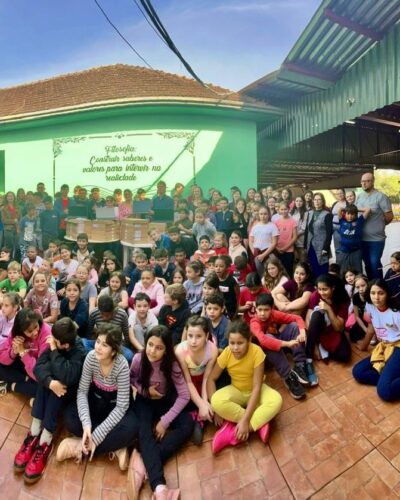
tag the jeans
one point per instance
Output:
(155, 453)
(287, 259)
(89, 345)
(316, 268)
(371, 254)
(387, 382)
(47, 407)
(278, 358)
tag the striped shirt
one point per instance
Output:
(117, 380)
(120, 319)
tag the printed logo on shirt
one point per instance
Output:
(170, 320)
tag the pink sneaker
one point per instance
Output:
(263, 432)
(224, 437)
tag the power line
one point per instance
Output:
(121, 35)
(149, 23)
(152, 14)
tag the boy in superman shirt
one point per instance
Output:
(175, 311)
(275, 331)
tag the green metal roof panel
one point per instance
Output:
(337, 36)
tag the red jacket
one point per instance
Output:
(262, 329)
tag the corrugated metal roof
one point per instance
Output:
(339, 34)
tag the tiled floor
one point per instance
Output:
(341, 442)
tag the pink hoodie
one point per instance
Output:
(35, 348)
(155, 291)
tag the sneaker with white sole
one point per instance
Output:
(69, 448)
(294, 387)
(300, 371)
(312, 376)
(3, 388)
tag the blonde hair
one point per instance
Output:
(14, 266)
(269, 281)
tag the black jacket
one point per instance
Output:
(62, 365)
(175, 321)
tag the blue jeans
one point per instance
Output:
(89, 345)
(387, 382)
(371, 254)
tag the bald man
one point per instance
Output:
(373, 239)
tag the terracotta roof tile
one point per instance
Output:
(104, 84)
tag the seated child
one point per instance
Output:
(52, 251)
(82, 251)
(106, 312)
(248, 296)
(247, 404)
(74, 307)
(220, 244)
(175, 311)
(204, 252)
(161, 399)
(294, 295)
(227, 284)
(13, 282)
(149, 285)
(88, 290)
(5, 259)
(240, 269)
(42, 299)
(194, 286)
(202, 226)
(92, 264)
(57, 371)
(141, 262)
(236, 249)
(197, 355)
(218, 322)
(66, 268)
(160, 240)
(392, 278)
(12, 303)
(31, 263)
(140, 321)
(20, 351)
(180, 260)
(266, 326)
(116, 290)
(164, 268)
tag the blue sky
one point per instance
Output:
(228, 42)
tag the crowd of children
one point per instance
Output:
(143, 357)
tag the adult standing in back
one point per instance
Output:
(373, 238)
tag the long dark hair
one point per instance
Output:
(146, 368)
(23, 320)
(302, 211)
(339, 296)
(308, 281)
(381, 283)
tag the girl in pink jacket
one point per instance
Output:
(149, 285)
(20, 351)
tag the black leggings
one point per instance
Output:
(317, 325)
(155, 453)
(16, 373)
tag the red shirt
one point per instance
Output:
(247, 296)
(330, 338)
(260, 329)
(221, 251)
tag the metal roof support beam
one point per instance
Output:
(352, 26)
(303, 71)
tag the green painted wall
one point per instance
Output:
(145, 145)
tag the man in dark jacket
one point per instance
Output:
(57, 371)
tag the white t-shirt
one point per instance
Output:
(263, 234)
(386, 323)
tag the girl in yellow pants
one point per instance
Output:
(247, 405)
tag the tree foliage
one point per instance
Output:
(388, 181)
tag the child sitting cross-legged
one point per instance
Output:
(218, 322)
(276, 331)
(57, 371)
(140, 321)
(204, 252)
(247, 404)
(175, 312)
(197, 355)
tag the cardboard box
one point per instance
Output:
(101, 231)
(76, 226)
(134, 231)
